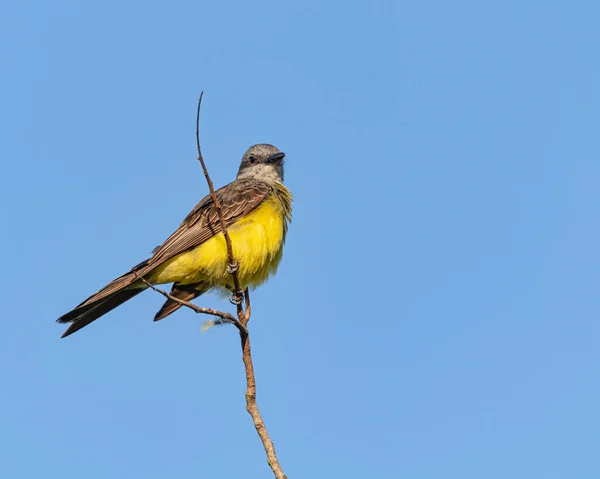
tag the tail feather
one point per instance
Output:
(101, 308)
(117, 284)
(112, 295)
(185, 292)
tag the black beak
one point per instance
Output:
(276, 158)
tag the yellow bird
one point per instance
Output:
(256, 208)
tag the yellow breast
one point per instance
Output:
(257, 241)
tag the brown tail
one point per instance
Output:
(108, 298)
(186, 292)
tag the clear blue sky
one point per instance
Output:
(436, 312)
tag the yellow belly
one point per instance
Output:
(257, 241)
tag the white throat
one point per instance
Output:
(268, 173)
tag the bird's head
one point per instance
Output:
(262, 162)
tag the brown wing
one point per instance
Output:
(237, 200)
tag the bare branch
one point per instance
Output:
(251, 405)
(226, 317)
(233, 264)
(248, 310)
(253, 410)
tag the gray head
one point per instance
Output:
(263, 162)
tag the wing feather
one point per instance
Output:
(237, 200)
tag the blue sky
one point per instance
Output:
(436, 312)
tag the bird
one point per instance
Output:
(256, 209)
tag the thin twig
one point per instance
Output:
(226, 317)
(253, 410)
(251, 405)
(233, 264)
(248, 309)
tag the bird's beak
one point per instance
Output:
(276, 158)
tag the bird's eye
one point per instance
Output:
(252, 159)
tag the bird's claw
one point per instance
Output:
(232, 267)
(237, 298)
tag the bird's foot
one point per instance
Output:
(237, 298)
(232, 267)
